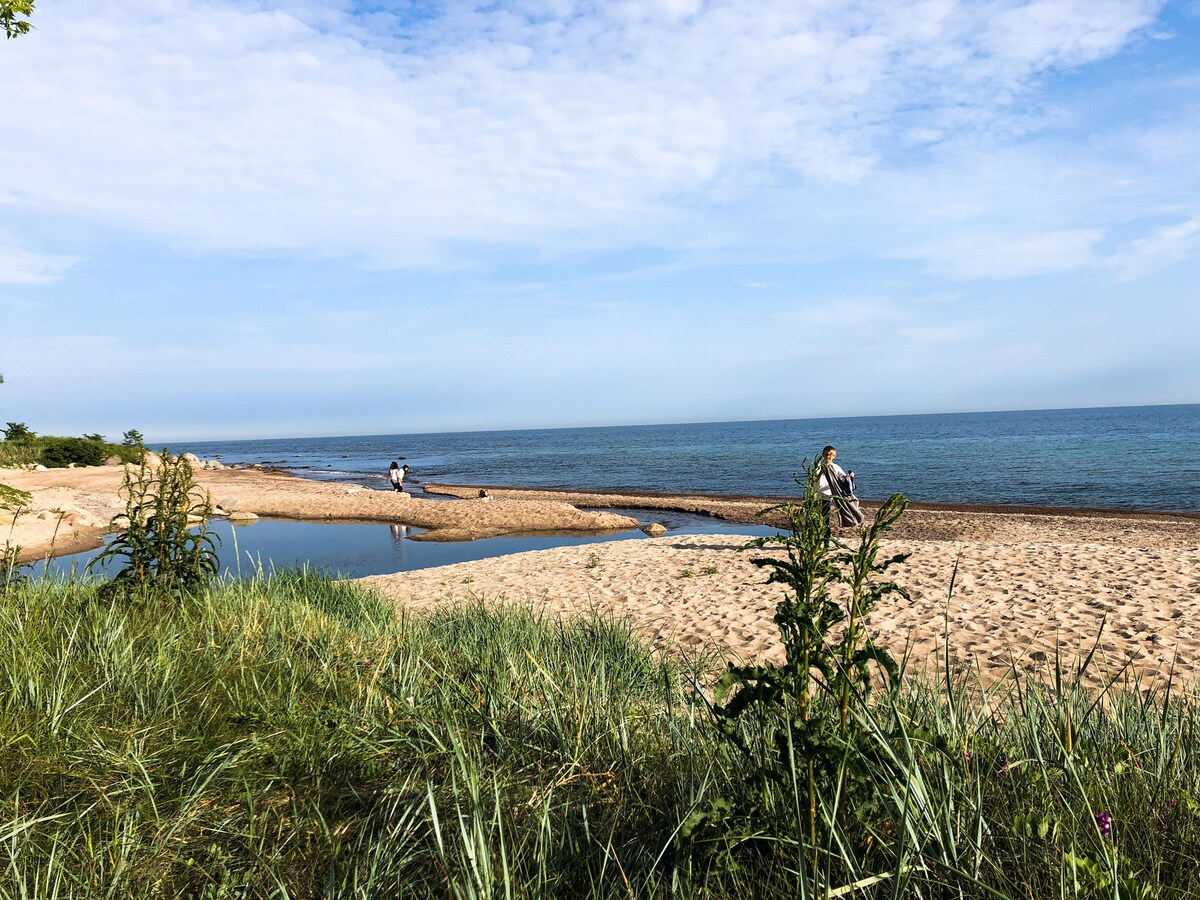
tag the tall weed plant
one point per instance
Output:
(165, 548)
(797, 725)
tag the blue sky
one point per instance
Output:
(291, 217)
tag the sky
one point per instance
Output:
(236, 219)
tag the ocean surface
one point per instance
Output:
(1130, 458)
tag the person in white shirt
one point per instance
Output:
(842, 486)
(396, 476)
(845, 479)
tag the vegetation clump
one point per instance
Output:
(24, 447)
(14, 499)
(165, 548)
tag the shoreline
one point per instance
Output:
(1025, 583)
(86, 500)
(934, 522)
(628, 496)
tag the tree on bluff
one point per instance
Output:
(14, 17)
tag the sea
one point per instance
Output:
(1120, 458)
(1129, 458)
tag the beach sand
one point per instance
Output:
(1029, 583)
(71, 508)
(1012, 601)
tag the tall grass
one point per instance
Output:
(285, 736)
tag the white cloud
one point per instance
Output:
(1064, 32)
(21, 266)
(980, 255)
(294, 127)
(1162, 248)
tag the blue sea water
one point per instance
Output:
(1132, 458)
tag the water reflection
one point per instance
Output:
(353, 550)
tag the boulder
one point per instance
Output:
(654, 529)
(190, 457)
(152, 460)
(213, 466)
(242, 515)
(81, 520)
(113, 460)
(40, 468)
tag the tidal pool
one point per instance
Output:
(353, 550)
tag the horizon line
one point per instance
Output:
(976, 412)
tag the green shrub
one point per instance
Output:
(18, 432)
(58, 453)
(166, 547)
(129, 454)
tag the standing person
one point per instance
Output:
(396, 476)
(837, 489)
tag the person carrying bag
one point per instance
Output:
(837, 487)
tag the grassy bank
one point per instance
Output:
(286, 737)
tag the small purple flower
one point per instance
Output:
(1104, 824)
(1169, 811)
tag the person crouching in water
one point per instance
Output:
(833, 482)
(396, 476)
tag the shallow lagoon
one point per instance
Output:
(354, 550)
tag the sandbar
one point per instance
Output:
(71, 509)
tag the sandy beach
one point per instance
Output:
(71, 508)
(1028, 581)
